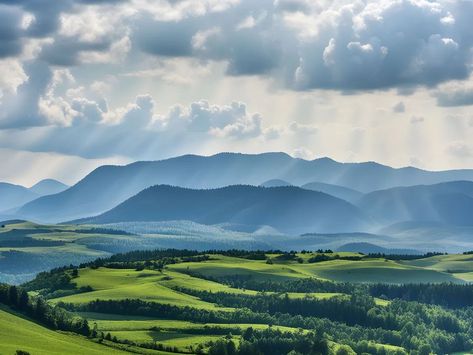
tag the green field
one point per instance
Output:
(171, 301)
(17, 333)
(113, 284)
(365, 270)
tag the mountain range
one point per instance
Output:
(108, 186)
(12, 196)
(288, 209)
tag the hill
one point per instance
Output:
(341, 192)
(14, 196)
(17, 333)
(446, 204)
(48, 187)
(108, 186)
(275, 183)
(368, 248)
(288, 209)
(268, 302)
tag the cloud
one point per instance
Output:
(21, 109)
(399, 107)
(454, 94)
(12, 75)
(135, 130)
(10, 31)
(303, 45)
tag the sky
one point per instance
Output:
(90, 82)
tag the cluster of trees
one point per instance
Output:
(273, 341)
(448, 295)
(445, 294)
(403, 256)
(435, 329)
(36, 308)
(447, 331)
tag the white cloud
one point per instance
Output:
(12, 75)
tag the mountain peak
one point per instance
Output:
(48, 187)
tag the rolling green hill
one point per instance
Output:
(198, 303)
(17, 333)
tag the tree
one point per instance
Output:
(345, 350)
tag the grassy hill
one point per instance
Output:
(190, 302)
(17, 333)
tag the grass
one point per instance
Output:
(375, 270)
(112, 322)
(18, 333)
(365, 270)
(168, 332)
(117, 284)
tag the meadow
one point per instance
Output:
(182, 301)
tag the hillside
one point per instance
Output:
(17, 333)
(288, 209)
(269, 302)
(446, 204)
(107, 186)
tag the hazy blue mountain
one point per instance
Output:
(107, 186)
(448, 203)
(288, 209)
(48, 187)
(342, 192)
(275, 183)
(368, 248)
(12, 196)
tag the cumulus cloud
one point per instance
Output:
(91, 129)
(12, 75)
(71, 70)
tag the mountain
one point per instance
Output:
(48, 187)
(288, 209)
(275, 183)
(108, 186)
(12, 196)
(342, 192)
(448, 203)
(368, 248)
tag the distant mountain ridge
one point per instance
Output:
(288, 209)
(107, 186)
(449, 203)
(342, 192)
(12, 196)
(48, 187)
